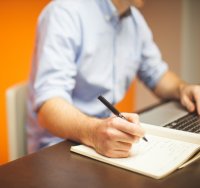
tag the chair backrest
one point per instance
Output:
(16, 120)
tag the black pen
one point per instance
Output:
(113, 110)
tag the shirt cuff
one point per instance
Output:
(157, 76)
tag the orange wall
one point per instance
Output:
(128, 103)
(18, 21)
(17, 29)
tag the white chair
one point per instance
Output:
(16, 119)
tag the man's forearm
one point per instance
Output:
(172, 87)
(112, 136)
(65, 121)
(169, 86)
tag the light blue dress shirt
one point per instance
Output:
(84, 50)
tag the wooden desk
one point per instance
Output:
(57, 167)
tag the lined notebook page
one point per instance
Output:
(156, 158)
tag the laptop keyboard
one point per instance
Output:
(189, 122)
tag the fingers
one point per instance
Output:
(119, 136)
(187, 102)
(132, 128)
(190, 97)
(116, 150)
(131, 117)
(117, 154)
(122, 146)
(197, 98)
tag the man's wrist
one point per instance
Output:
(90, 134)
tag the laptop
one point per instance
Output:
(172, 115)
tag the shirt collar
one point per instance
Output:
(108, 8)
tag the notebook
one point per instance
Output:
(166, 151)
(174, 142)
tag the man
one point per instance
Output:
(89, 48)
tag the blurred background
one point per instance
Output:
(176, 30)
(18, 22)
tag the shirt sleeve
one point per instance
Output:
(54, 62)
(152, 67)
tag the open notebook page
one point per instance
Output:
(156, 158)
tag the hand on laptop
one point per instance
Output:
(170, 86)
(190, 97)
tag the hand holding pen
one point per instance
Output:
(114, 110)
(113, 136)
